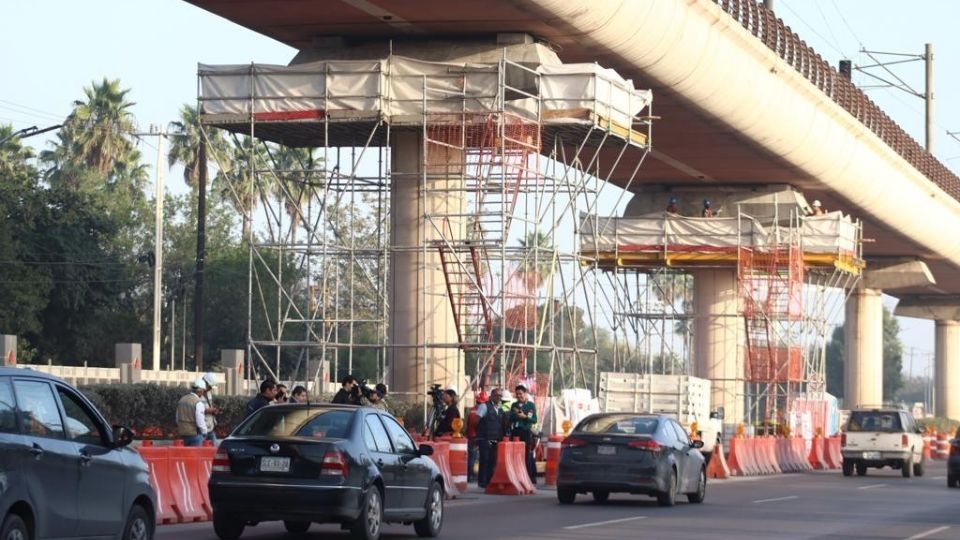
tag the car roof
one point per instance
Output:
(323, 405)
(27, 372)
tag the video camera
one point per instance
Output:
(436, 393)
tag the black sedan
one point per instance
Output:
(631, 453)
(953, 464)
(304, 464)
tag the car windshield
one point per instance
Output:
(887, 422)
(297, 422)
(619, 423)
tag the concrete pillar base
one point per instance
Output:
(863, 339)
(718, 341)
(947, 370)
(8, 350)
(234, 371)
(128, 358)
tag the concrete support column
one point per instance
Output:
(718, 340)
(128, 358)
(420, 312)
(863, 338)
(8, 350)
(232, 361)
(947, 370)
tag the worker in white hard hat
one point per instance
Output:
(210, 382)
(191, 414)
(816, 209)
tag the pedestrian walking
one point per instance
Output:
(268, 392)
(490, 428)
(191, 415)
(523, 417)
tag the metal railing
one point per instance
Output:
(763, 24)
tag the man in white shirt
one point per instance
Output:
(191, 415)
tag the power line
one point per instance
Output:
(812, 29)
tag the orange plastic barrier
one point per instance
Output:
(800, 453)
(158, 460)
(510, 476)
(928, 446)
(816, 457)
(769, 447)
(520, 457)
(942, 450)
(831, 452)
(755, 446)
(554, 444)
(789, 456)
(179, 476)
(717, 468)
(739, 459)
(441, 456)
(458, 463)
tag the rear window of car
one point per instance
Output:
(876, 421)
(619, 424)
(290, 422)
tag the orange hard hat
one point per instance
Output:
(482, 396)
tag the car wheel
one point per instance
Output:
(861, 469)
(566, 495)
(918, 468)
(367, 525)
(139, 525)
(227, 527)
(906, 468)
(601, 496)
(430, 525)
(669, 497)
(296, 527)
(14, 528)
(953, 481)
(701, 493)
(847, 467)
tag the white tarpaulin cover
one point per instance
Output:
(830, 233)
(395, 87)
(664, 229)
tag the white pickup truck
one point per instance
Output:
(882, 438)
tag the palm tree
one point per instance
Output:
(12, 150)
(538, 260)
(293, 186)
(233, 179)
(98, 130)
(185, 137)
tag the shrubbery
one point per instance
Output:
(940, 424)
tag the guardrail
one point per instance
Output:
(763, 24)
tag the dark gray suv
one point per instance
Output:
(64, 472)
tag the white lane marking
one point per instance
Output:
(791, 497)
(872, 486)
(928, 533)
(598, 523)
(939, 478)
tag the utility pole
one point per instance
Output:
(201, 253)
(928, 94)
(160, 134)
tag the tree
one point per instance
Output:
(99, 127)
(185, 137)
(892, 358)
(233, 179)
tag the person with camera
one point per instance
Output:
(349, 393)
(490, 430)
(523, 416)
(450, 412)
(374, 398)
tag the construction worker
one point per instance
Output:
(707, 211)
(490, 429)
(210, 381)
(672, 206)
(523, 417)
(472, 420)
(817, 209)
(191, 414)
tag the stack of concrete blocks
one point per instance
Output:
(128, 357)
(234, 371)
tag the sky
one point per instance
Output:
(50, 50)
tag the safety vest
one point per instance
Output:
(187, 415)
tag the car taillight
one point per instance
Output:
(649, 445)
(843, 439)
(904, 440)
(572, 442)
(955, 448)
(334, 464)
(221, 461)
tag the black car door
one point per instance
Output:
(672, 447)
(387, 461)
(53, 470)
(101, 509)
(691, 464)
(416, 472)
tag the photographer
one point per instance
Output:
(373, 398)
(450, 412)
(349, 393)
(523, 417)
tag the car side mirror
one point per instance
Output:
(696, 444)
(122, 436)
(425, 451)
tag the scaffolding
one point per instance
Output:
(507, 168)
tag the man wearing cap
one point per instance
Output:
(209, 381)
(489, 432)
(191, 415)
(672, 207)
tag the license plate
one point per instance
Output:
(274, 464)
(871, 455)
(607, 450)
